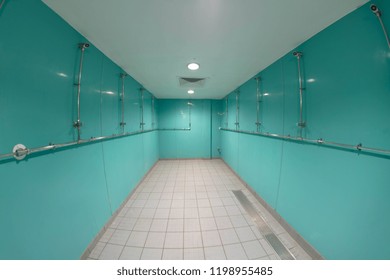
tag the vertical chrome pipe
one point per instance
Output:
(122, 123)
(227, 112)
(301, 122)
(2, 3)
(378, 14)
(77, 124)
(189, 113)
(258, 100)
(142, 124)
(152, 111)
(237, 123)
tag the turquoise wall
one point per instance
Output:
(202, 116)
(336, 199)
(53, 204)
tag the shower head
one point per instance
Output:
(123, 75)
(375, 10)
(297, 54)
(83, 45)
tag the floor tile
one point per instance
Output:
(211, 238)
(193, 254)
(172, 254)
(245, 234)
(193, 240)
(111, 252)
(254, 250)
(175, 225)
(119, 237)
(186, 209)
(159, 225)
(131, 253)
(155, 240)
(208, 224)
(223, 223)
(228, 236)
(191, 225)
(174, 240)
(137, 239)
(214, 253)
(235, 252)
(151, 254)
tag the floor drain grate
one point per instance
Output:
(268, 234)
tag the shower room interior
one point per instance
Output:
(99, 160)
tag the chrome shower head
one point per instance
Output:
(375, 10)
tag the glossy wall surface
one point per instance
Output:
(53, 204)
(337, 200)
(203, 118)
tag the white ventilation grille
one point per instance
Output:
(192, 82)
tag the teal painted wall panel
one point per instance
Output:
(216, 122)
(342, 195)
(53, 204)
(336, 199)
(175, 113)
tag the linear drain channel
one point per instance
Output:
(272, 239)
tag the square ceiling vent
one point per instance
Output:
(192, 82)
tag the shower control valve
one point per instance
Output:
(77, 124)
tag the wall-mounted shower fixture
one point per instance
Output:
(258, 101)
(301, 123)
(2, 3)
(20, 151)
(142, 124)
(153, 121)
(227, 112)
(374, 8)
(122, 123)
(237, 123)
(190, 104)
(77, 124)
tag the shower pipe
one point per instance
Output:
(189, 103)
(21, 152)
(378, 14)
(258, 100)
(2, 3)
(142, 123)
(152, 111)
(227, 112)
(301, 123)
(77, 124)
(237, 123)
(122, 123)
(321, 142)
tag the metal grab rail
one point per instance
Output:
(21, 153)
(321, 142)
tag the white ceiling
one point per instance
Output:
(232, 40)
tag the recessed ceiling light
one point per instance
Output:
(193, 66)
(191, 91)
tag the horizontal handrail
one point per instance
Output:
(26, 151)
(174, 129)
(321, 142)
(22, 152)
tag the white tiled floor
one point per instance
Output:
(185, 209)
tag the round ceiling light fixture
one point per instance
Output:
(191, 91)
(193, 66)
